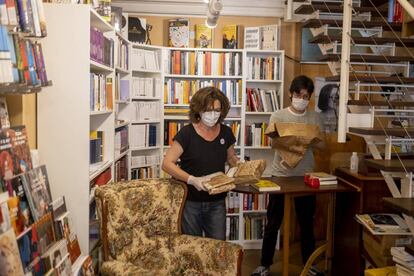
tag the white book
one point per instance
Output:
(158, 88)
(231, 201)
(227, 67)
(36, 20)
(236, 203)
(236, 65)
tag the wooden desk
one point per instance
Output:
(294, 186)
(402, 205)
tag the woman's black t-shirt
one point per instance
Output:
(202, 157)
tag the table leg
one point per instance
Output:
(330, 233)
(286, 232)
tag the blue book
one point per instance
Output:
(34, 80)
(13, 59)
(391, 4)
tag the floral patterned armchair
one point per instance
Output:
(140, 229)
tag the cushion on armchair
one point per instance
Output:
(140, 228)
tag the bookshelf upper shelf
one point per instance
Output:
(201, 77)
(98, 22)
(205, 50)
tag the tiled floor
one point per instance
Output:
(251, 260)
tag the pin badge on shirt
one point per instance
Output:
(222, 141)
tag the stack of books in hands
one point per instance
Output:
(218, 183)
(317, 179)
(249, 172)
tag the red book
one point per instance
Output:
(177, 62)
(208, 63)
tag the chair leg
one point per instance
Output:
(319, 251)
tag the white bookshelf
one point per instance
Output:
(64, 116)
(64, 119)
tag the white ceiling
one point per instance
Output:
(198, 7)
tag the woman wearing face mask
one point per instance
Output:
(203, 147)
(300, 92)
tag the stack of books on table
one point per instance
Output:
(320, 179)
(404, 260)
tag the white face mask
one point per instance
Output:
(299, 104)
(210, 118)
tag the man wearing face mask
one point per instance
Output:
(300, 92)
(203, 147)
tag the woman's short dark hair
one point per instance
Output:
(203, 99)
(325, 96)
(301, 82)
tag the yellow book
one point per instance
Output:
(166, 93)
(186, 91)
(266, 186)
(230, 37)
(192, 63)
(203, 36)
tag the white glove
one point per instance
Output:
(197, 182)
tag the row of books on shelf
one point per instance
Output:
(122, 55)
(144, 135)
(253, 202)
(144, 60)
(181, 91)
(121, 88)
(100, 93)
(204, 63)
(261, 100)
(121, 140)
(263, 68)
(139, 161)
(232, 228)
(254, 227)
(171, 128)
(143, 111)
(22, 60)
(143, 173)
(395, 11)
(255, 135)
(28, 16)
(121, 169)
(235, 127)
(146, 87)
(101, 48)
(232, 202)
(96, 146)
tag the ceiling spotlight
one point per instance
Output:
(213, 13)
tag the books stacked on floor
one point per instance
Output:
(255, 202)
(204, 63)
(320, 179)
(255, 135)
(144, 111)
(259, 68)
(96, 146)
(384, 224)
(260, 100)
(145, 161)
(254, 227)
(171, 128)
(232, 228)
(143, 173)
(404, 261)
(102, 48)
(232, 202)
(121, 140)
(121, 88)
(121, 169)
(146, 87)
(23, 60)
(235, 127)
(144, 60)
(100, 93)
(122, 55)
(145, 135)
(181, 91)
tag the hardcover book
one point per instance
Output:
(247, 172)
(23, 217)
(10, 263)
(45, 232)
(266, 186)
(179, 33)
(28, 249)
(203, 36)
(54, 255)
(37, 189)
(219, 183)
(269, 37)
(4, 114)
(232, 36)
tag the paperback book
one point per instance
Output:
(37, 189)
(204, 36)
(22, 216)
(384, 224)
(10, 263)
(179, 33)
(219, 183)
(266, 186)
